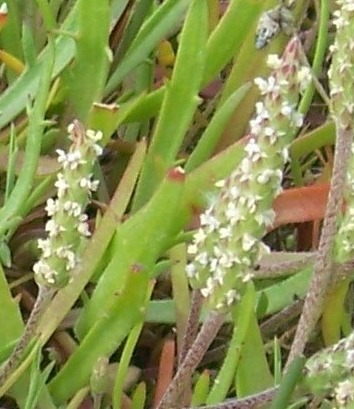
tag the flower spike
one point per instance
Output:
(228, 243)
(68, 222)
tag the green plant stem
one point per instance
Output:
(288, 384)
(320, 52)
(323, 269)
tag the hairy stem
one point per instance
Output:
(250, 402)
(192, 326)
(43, 298)
(195, 354)
(322, 274)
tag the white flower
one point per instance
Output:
(72, 208)
(266, 218)
(286, 109)
(248, 242)
(61, 184)
(345, 392)
(97, 149)
(267, 86)
(253, 150)
(87, 183)
(225, 232)
(200, 236)
(190, 270)
(231, 297)
(51, 207)
(210, 221)
(83, 229)
(95, 136)
(270, 133)
(274, 62)
(261, 111)
(264, 177)
(45, 246)
(209, 289)
(304, 77)
(43, 269)
(202, 258)
(255, 126)
(232, 213)
(192, 249)
(53, 228)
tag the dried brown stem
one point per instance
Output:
(192, 326)
(195, 354)
(43, 297)
(250, 402)
(322, 274)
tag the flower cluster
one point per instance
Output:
(331, 370)
(228, 242)
(342, 68)
(68, 222)
(341, 75)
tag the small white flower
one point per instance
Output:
(61, 184)
(286, 109)
(199, 236)
(274, 62)
(234, 192)
(209, 289)
(83, 229)
(232, 213)
(202, 258)
(210, 221)
(95, 136)
(231, 297)
(270, 133)
(63, 252)
(255, 126)
(261, 111)
(219, 276)
(51, 207)
(266, 218)
(213, 264)
(340, 21)
(225, 232)
(267, 86)
(304, 77)
(44, 270)
(190, 270)
(344, 392)
(253, 150)
(72, 208)
(192, 249)
(45, 246)
(87, 183)
(264, 177)
(248, 242)
(97, 149)
(53, 228)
